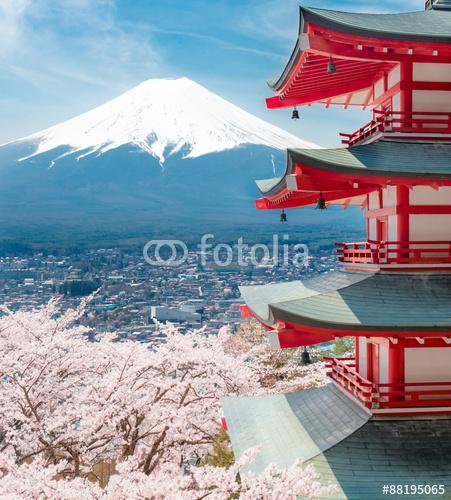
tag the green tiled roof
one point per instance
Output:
(382, 158)
(266, 185)
(358, 301)
(432, 25)
(421, 26)
(259, 297)
(410, 452)
(304, 424)
(325, 428)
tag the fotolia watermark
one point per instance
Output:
(176, 253)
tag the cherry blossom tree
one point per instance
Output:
(278, 370)
(66, 398)
(220, 483)
(37, 480)
(71, 400)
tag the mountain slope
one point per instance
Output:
(162, 117)
(101, 171)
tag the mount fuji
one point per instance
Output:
(162, 117)
(165, 152)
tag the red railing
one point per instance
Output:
(420, 122)
(342, 370)
(379, 396)
(395, 252)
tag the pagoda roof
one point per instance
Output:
(363, 47)
(370, 164)
(430, 25)
(357, 301)
(357, 454)
(302, 424)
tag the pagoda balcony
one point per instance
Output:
(393, 398)
(402, 125)
(394, 252)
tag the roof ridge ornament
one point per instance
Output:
(437, 5)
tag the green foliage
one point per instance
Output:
(78, 288)
(341, 347)
(222, 454)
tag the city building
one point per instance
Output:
(172, 315)
(393, 293)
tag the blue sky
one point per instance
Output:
(59, 58)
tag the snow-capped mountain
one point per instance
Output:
(106, 165)
(163, 117)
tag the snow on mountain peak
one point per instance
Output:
(163, 117)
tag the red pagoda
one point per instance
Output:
(393, 293)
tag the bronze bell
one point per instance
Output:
(305, 357)
(283, 216)
(295, 114)
(321, 203)
(331, 68)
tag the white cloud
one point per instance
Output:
(11, 17)
(67, 56)
(80, 40)
(277, 20)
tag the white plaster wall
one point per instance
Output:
(394, 76)
(372, 229)
(373, 200)
(428, 100)
(378, 88)
(389, 196)
(392, 228)
(426, 195)
(431, 72)
(396, 102)
(428, 364)
(383, 364)
(430, 227)
(363, 358)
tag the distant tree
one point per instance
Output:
(344, 347)
(79, 288)
(15, 248)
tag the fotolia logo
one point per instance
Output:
(173, 253)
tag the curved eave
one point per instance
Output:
(334, 170)
(426, 26)
(276, 83)
(388, 165)
(413, 36)
(305, 17)
(281, 315)
(357, 302)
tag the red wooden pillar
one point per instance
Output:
(357, 353)
(406, 71)
(402, 192)
(395, 366)
(369, 360)
(402, 220)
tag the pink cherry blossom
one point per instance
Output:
(69, 403)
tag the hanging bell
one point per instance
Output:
(305, 357)
(321, 203)
(295, 114)
(283, 216)
(194, 459)
(331, 68)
